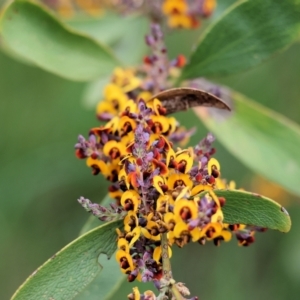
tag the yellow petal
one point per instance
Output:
(185, 209)
(136, 234)
(200, 188)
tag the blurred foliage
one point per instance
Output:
(40, 180)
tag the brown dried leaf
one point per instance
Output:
(179, 99)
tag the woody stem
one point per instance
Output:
(167, 270)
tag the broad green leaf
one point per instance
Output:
(69, 271)
(125, 35)
(105, 283)
(265, 141)
(252, 209)
(105, 28)
(31, 32)
(248, 33)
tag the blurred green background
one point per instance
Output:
(40, 180)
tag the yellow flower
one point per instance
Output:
(159, 182)
(185, 210)
(159, 124)
(162, 203)
(183, 235)
(99, 166)
(126, 125)
(123, 245)
(125, 261)
(130, 221)
(184, 160)
(130, 107)
(145, 95)
(157, 107)
(213, 167)
(170, 220)
(215, 231)
(208, 7)
(179, 180)
(200, 188)
(151, 231)
(114, 149)
(135, 235)
(130, 200)
(172, 7)
(126, 79)
(183, 21)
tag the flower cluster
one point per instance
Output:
(156, 184)
(180, 13)
(161, 191)
(187, 14)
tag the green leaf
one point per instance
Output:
(248, 33)
(252, 209)
(69, 271)
(125, 35)
(102, 285)
(265, 141)
(31, 32)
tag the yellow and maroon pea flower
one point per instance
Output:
(98, 166)
(126, 79)
(133, 235)
(151, 231)
(114, 102)
(215, 230)
(113, 172)
(126, 125)
(184, 160)
(156, 106)
(130, 221)
(182, 234)
(179, 180)
(224, 235)
(160, 184)
(123, 245)
(173, 7)
(114, 150)
(123, 179)
(171, 220)
(182, 21)
(125, 261)
(185, 210)
(130, 200)
(163, 202)
(178, 14)
(130, 107)
(158, 124)
(213, 168)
